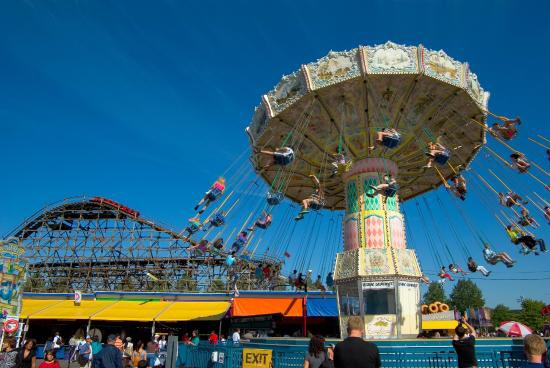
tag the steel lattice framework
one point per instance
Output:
(98, 244)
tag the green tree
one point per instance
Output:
(502, 313)
(435, 293)
(466, 295)
(530, 313)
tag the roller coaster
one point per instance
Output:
(95, 243)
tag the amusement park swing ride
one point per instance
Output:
(356, 133)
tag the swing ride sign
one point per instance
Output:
(12, 276)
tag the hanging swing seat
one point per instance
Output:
(391, 191)
(218, 220)
(213, 194)
(274, 198)
(442, 158)
(283, 157)
(192, 228)
(317, 204)
(391, 141)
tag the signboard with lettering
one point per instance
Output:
(377, 285)
(12, 276)
(257, 358)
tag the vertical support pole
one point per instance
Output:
(89, 327)
(362, 306)
(153, 329)
(25, 329)
(220, 330)
(397, 308)
(304, 314)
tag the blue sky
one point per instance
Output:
(146, 102)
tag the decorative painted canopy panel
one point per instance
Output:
(344, 98)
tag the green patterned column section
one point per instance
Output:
(352, 202)
(371, 203)
(391, 204)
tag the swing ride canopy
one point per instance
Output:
(339, 102)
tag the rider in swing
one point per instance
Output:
(315, 201)
(263, 222)
(215, 192)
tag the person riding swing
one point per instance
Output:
(215, 192)
(387, 137)
(315, 201)
(388, 188)
(437, 153)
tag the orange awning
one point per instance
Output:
(288, 307)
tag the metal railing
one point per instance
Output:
(230, 356)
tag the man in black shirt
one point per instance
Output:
(354, 352)
(464, 343)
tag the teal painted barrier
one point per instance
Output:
(497, 353)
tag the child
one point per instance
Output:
(459, 186)
(49, 361)
(340, 164)
(520, 162)
(387, 137)
(239, 242)
(319, 284)
(215, 192)
(194, 224)
(438, 153)
(526, 219)
(506, 131)
(263, 222)
(457, 269)
(443, 274)
(534, 348)
(388, 188)
(314, 201)
(473, 267)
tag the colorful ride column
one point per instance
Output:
(377, 278)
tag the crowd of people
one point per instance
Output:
(86, 352)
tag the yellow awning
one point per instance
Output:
(32, 306)
(187, 311)
(123, 310)
(439, 325)
(126, 310)
(66, 309)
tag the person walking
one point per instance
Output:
(316, 354)
(464, 343)
(109, 356)
(354, 352)
(49, 361)
(57, 342)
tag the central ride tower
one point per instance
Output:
(376, 276)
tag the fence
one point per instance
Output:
(290, 356)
